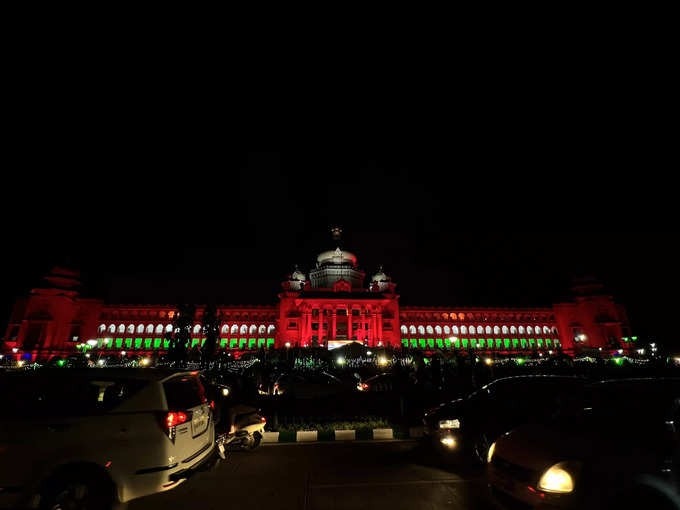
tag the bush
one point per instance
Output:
(327, 428)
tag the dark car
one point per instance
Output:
(621, 449)
(469, 425)
(309, 385)
(381, 383)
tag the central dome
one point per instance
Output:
(336, 257)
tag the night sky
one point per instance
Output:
(497, 223)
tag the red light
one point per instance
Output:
(175, 418)
(212, 404)
(364, 386)
(263, 420)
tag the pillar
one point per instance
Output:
(320, 326)
(349, 323)
(334, 322)
(362, 323)
(378, 319)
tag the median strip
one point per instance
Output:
(309, 436)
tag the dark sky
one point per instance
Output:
(492, 218)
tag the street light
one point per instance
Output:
(92, 342)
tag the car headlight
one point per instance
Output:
(489, 455)
(449, 424)
(449, 441)
(556, 479)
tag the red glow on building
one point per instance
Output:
(328, 308)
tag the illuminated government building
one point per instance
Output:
(330, 306)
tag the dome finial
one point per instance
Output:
(336, 232)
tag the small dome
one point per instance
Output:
(297, 275)
(380, 277)
(336, 257)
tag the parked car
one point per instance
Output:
(315, 385)
(380, 382)
(73, 438)
(620, 450)
(469, 425)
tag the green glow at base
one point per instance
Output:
(270, 343)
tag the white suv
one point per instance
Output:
(94, 438)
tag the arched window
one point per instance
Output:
(112, 328)
(101, 328)
(496, 330)
(412, 330)
(261, 330)
(225, 329)
(234, 329)
(168, 328)
(404, 331)
(488, 330)
(480, 330)
(149, 328)
(530, 330)
(554, 331)
(253, 329)
(513, 330)
(131, 328)
(244, 329)
(505, 330)
(521, 330)
(454, 330)
(463, 330)
(159, 329)
(270, 329)
(447, 330)
(197, 329)
(461, 316)
(546, 330)
(429, 330)
(140, 328)
(421, 330)
(438, 330)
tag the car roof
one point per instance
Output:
(522, 378)
(634, 383)
(147, 374)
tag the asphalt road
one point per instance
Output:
(354, 475)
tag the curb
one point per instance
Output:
(307, 436)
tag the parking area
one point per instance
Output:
(337, 476)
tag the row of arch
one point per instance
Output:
(159, 329)
(478, 330)
(117, 315)
(477, 316)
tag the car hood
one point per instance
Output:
(450, 410)
(539, 446)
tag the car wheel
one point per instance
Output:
(76, 490)
(254, 442)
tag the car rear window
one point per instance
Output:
(62, 396)
(184, 392)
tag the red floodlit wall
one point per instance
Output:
(54, 320)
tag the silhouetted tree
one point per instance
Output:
(211, 330)
(182, 324)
